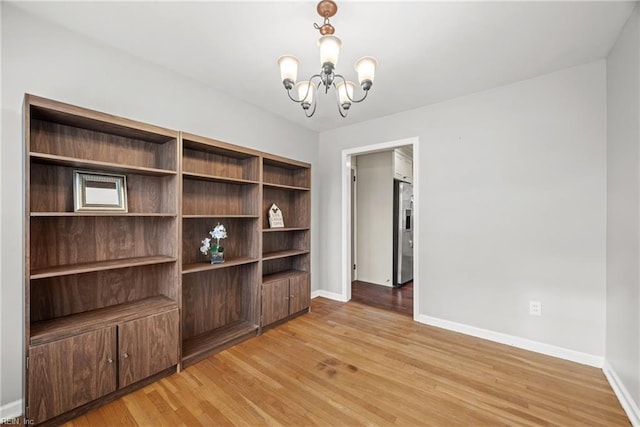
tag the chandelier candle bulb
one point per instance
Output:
(305, 93)
(345, 93)
(329, 49)
(366, 68)
(288, 69)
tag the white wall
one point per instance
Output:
(513, 196)
(623, 211)
(374, 261)
(46, 60)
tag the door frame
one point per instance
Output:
(347, 244)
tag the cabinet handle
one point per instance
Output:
(291, 296)
(110, 360)
(287, 298)
(125, 355)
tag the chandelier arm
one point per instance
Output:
(308, 89)
(292, 98)
(366, 92)
(315, 100)
(340, 109)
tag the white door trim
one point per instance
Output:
(347, 262)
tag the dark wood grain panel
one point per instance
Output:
(300, 262)
(219, 163)
(87, 144)
(213, 198)
(215, 298)
(57, 241)
(64, 295)
(71, 372)
(211, 299)
(275, 301)
(299, 240)
(147, 346)
(299, 292)
(294, 204)
(281, 171)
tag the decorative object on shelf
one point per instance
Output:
(214, 250)
(329, 48)
(275, 217)
(103, 192)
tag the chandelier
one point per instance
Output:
(330, 46)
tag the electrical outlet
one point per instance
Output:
(535, 308)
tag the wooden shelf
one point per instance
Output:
(103, 166)
(220, 216)
(286, 274)
(275, 230)
(285, 187)
(282, 254)
(209, 342)
(71, 115)
(204, 266)
(213, 178)
(65, 270)
(80, 214)
(67, 326)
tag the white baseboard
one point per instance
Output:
(538, 347)
(629, 406)
(10, 411)
(329, 295)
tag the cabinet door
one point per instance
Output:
(403, 167)
(275, 301)
(299, 293)
(147, 346)
(68, 373)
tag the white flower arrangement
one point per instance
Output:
(218, 232)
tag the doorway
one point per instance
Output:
(404, 299)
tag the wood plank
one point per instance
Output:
(98, 165)
(286, 274)
(208, 341)
(59, 112)
(285, 187)
(228, 262)
(218, 178)
(284, 230)
(283, 254)
(87, 267)
(66, 326)
(349, 364)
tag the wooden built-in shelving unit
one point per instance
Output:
(285, 251)
(116, 299)
(220, 184)
(105, 281)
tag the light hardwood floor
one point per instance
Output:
(350, 364)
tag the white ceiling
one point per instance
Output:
(427, 51)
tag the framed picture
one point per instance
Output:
(99, 192)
